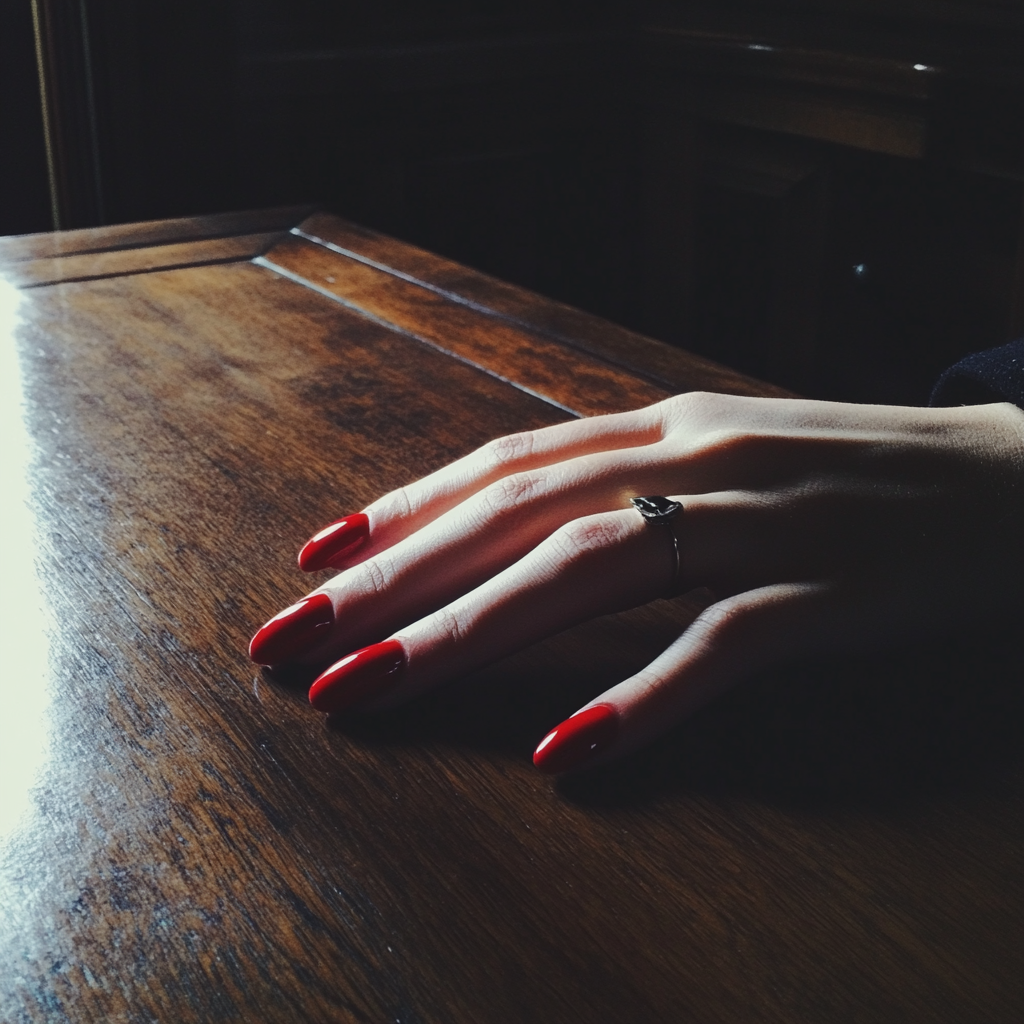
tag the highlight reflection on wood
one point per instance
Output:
(183, 839)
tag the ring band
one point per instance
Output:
(659, 511)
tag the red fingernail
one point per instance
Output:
(577, 739)
(363, 674)
(304, 624)
(334, 542)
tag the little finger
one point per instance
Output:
(727, 642)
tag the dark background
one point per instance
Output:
(765, 182)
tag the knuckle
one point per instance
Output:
(702, 410)
(374, 576)
(723, 623)
(397, 504)
(512, 492)
(582, 537)
(505, 451)
(446, 625)
(696, 404)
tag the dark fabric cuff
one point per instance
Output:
(995, 375)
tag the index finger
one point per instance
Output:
(399, 514)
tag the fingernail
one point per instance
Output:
(304, 624)
(577, 739)
(334, 542)
(366, 673)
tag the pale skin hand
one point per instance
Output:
(817, 526)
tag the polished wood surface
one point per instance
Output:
(183, 839)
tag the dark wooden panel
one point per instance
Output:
(662, 364)
(777, 83)
(575, 380)
(893, 130)
(896, 255)
(785, 57)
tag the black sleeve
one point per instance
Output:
(995, 375)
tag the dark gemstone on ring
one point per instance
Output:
(656, 510)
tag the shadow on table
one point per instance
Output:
(874, 730)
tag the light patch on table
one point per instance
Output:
(24, 671)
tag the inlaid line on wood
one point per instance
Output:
(436, 289)
(142, 235)
(646, 360)
(140, 270)
(539, 329)
(262, 261)
(127, 262)
(577, 380)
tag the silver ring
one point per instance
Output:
(659, 511)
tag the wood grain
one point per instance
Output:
(839, 841)
(146, 233)
(644, 357)
(141, 260)
(575, 380)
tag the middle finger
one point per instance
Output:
(455, 553)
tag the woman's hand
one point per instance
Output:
(815, 525)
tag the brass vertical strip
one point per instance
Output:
(46, 101)
(90, 101)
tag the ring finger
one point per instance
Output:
(591, 566)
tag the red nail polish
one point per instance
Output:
(577, 739)
(363, 674)
(304, 624)
(334, 542)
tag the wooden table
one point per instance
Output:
(183, 839)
